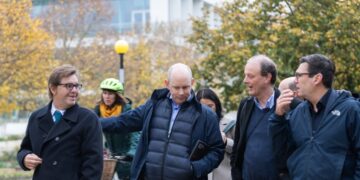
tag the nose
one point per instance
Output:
(181, 91)
(245, 80)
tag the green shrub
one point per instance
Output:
(15, 174)
(11, 138)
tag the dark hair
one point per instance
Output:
(320, 64)
(207, 93)
(58, 74)
(355, 95)
(118, 98)
(268, 67)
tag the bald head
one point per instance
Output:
(179, 69)
(288, 83)
(179, 82)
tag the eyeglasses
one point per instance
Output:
(298, 75)
(70, 86)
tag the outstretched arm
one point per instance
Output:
(129, 121)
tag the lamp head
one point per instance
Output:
(121, 47)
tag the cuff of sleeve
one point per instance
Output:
(278, 117)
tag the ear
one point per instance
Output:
(192, 81)
(268, 77)
(167, 84)
(53, 89)
(318, 78)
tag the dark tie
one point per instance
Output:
(58, 116)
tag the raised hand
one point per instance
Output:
(283, 102)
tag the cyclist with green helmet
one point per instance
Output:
(122, 145)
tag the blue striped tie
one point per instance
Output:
(58, 116)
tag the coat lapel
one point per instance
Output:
(46, 123)
(246, 112)
(64, 125)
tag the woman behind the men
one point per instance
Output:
(209, 98)
(122, 145)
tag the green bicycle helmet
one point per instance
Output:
(112, 84)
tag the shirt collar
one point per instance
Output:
(325, 98)
(53, 109)
(269, 103)
(323, 101)
(178, 105)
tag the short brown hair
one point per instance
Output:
(59, 73)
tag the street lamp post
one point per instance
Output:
(121, 47)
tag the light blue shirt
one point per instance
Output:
(53, 109)
(175, 111)
(269, 103)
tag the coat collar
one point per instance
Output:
(51, 130)
(276, 95)
(70, 113)
(163, 93)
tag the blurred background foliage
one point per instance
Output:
(32, 47)
(26, 54)
(284, 31)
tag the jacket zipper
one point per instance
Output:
(163, 159)
(167, 143)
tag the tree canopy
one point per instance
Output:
(72, 32)
(282, 30)
(148, 60)
(25, 57)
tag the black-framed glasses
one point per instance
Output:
(70, 86)
(298, 75)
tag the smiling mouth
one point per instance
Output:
(73, 97)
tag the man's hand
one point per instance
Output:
(31, 161)
(283, 102)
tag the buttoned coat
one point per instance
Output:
(70, 149)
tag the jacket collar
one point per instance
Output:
(164, 93)
(51, 130)
(276, 95)
(70, 113)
